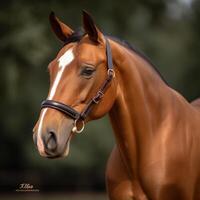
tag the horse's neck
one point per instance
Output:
(140, 104)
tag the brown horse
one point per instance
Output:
(157, 155)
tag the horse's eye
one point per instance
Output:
(87, 72)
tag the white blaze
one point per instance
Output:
(63, 61)
(39, 140)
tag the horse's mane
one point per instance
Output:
(133, 48)
(77, 35)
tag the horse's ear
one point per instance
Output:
(90, 28)
(62, 31)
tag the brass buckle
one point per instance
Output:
(98, 97)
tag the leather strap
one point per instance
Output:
(67, 110)
(109, 55)
(97, 98)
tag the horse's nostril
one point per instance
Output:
(51, 142)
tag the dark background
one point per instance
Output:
(167, 31)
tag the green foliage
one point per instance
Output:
(167, 31)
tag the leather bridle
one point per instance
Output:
(81, 116)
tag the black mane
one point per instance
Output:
(77, 36)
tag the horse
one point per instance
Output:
(157, 150)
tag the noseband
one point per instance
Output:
(81, 116)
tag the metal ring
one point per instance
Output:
(111, 72)
(75, 129)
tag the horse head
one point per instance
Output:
(77, 75)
